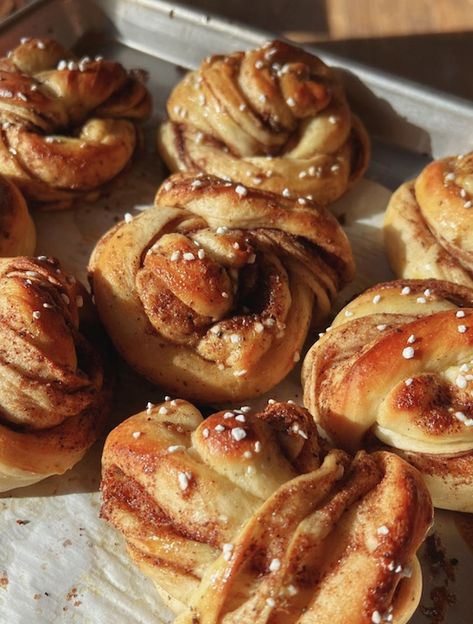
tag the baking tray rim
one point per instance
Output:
(248, 34)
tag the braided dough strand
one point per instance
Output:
(68, 125)
(396, 366)
(275, 117)
(429, 221)
(244, 518)
(53, 387)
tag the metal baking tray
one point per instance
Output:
(58, 561)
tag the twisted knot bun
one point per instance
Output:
(67, 124)
(275, 117)
(211, 292)
(17, 230)
(429, 223)
(54, 396)
(396, 367)
(243, 518)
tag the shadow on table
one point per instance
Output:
(440, 60)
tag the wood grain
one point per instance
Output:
(348, 19)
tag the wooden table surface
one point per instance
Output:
(430, 41)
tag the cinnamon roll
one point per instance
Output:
(244, 518)
(210, 293)
(396, 369)
(67, 125)
(429, 221)
(17, 230)
(54, 395)
(275, 117)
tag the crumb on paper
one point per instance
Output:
(4, 579)
(441, 569)
(72, 596)
(437, 558)
(23, 522)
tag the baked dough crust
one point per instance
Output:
(242, 517)
(429, 222)
(17, 229)
(275, 117)
(394, 371)
(210, 293)
(68, 126)
(54, 390)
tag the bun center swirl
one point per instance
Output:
(216, 290)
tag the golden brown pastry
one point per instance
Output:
(429, 223)
(54, 396)
(17, 230)
(243, 518)
(210, 293)
(68, 125)
(275, 117)
(8, 6)
(396, 369)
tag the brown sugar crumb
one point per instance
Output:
(441, 599)
(439, 565)
(37, 597)
(72, 594)
(437, 558)
(4, 580)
